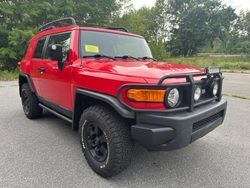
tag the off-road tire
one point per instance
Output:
(30, 103)
(117, 134)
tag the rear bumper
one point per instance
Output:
(161, 131)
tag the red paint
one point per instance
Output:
(100, 75)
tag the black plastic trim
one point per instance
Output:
(162, 132)
(110, 100)
(180, 76)
(56, 113)
(28, 80)
(45, 46)
(119, 28)
(55, 107)
(149, 135)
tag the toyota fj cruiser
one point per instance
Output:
(106, 83)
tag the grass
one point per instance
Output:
(234, 64)
(229, 64)
(236, 71)
(236, 96)
(8, 75)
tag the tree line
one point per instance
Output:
(172, 27)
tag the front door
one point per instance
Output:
(56, 87)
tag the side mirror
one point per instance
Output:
(56, 54)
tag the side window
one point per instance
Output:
(60, 39)
(39, 48)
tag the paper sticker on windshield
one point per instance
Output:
(91, 48)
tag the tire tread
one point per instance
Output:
(35, 109)
(119, 136)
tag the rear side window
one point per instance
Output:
(59, 39)
(39, 48)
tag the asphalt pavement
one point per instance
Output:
(237, 84)
(47, 153)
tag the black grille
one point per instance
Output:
(199, 124)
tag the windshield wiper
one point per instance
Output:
(98, 56)
(145, 58)
(126, 57)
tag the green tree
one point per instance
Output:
(147, 22)
(243, 24)
(239, 40)
(194, 23)
(19, 20)
(188, 26)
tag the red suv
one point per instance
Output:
(108, 85)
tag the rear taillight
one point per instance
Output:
(19, 64)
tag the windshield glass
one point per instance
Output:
(114, 45)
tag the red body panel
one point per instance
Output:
(100, 75)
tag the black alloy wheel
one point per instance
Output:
(96, 142)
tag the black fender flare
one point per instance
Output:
(110, 100)
(21, 79)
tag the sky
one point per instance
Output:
(140, 3)
(237, 4)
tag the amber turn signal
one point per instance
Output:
(146, 95)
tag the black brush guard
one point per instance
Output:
(189, 85)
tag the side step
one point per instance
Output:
(55, 113)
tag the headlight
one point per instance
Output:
(215, 88)
(173, 97)
(197, 94)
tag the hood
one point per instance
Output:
(143, 69)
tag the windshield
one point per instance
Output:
(113, 45)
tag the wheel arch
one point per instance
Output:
(85, 98)
(24, 78)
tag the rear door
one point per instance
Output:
(37, 66)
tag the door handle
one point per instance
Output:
(41, 70)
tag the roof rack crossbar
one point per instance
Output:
(71, 21)
(50, 25)
(118, 28)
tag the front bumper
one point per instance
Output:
(161, 131)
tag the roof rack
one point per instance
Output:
(71, 21)
(118, 28)
(53, 24)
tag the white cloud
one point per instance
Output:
(237, 4)
(140, 3)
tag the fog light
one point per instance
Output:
(197, 94)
